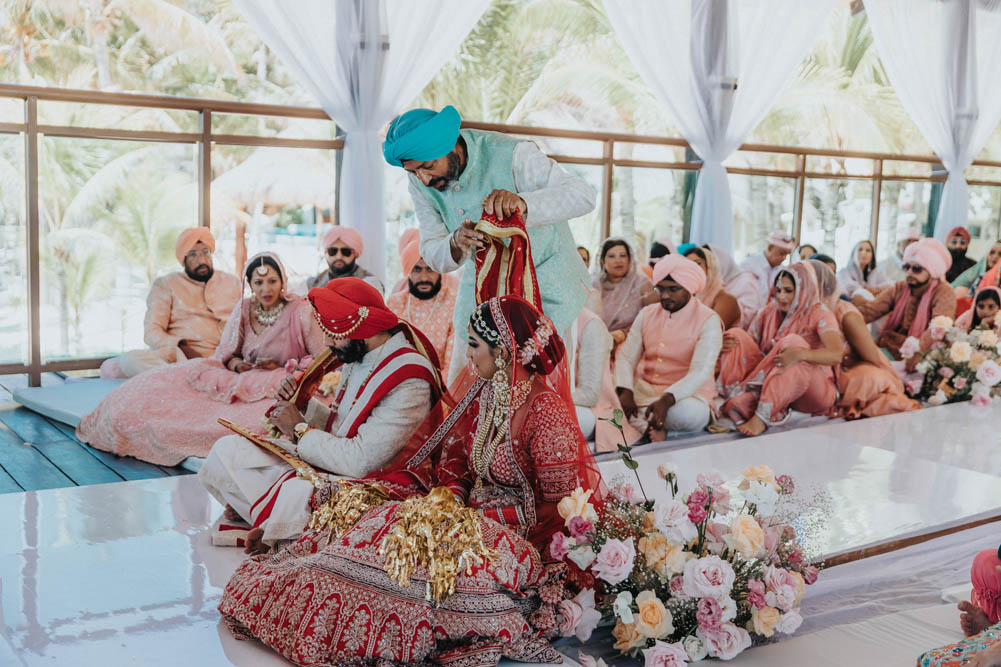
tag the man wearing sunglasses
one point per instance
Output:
(915, 301)
(765, 265)
(342, 248)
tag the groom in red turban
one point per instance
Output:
(350, 414)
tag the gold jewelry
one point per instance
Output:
(504, 405)
(268, 317)
(484, 330)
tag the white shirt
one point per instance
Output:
(765, 272)
(592, 358)
(383, 434)
(552, 196)
(701, 368)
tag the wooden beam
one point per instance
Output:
(33, 245)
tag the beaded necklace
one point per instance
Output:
(268, 317)
(503, 407)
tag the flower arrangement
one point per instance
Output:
(296, 368)
(699, 574)
(958, 366)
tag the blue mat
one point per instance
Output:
(67, 403)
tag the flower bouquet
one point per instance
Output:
(683, 578)
(958, 366)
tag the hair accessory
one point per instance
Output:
(484, 330)
(359, 317)
(261, 270)
(534, 345)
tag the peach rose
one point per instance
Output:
(800, 586)
(576, 505)
(960, 351)
(746, 536)
(758, 473)
(764, 620)
(627, 637)
(664, 558)
(654, 620)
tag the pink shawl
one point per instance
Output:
(987, 584)
(921, 317)
(714, 279)
(771, 324)
(622, 301)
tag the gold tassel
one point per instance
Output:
(439, 533)
(345, 507)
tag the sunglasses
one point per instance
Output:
(912, 268)
(347, 252)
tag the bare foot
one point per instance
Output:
(973, 620)
(255, 542)
(231, 514)
(753, 426)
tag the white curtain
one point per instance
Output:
(943, 58)
(364, 61)
(718, 66)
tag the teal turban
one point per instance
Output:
(421, 134)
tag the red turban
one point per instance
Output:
(187, 239)
(959, 231)
(351, 308)
(349, 237)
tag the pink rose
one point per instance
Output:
(795, 558)
(772, 536)
(628, 493)
(981, 400)
(959, 383)
(781, 588)
(698, 500)
(662, 654)
(937, 332)
(911, 347)
(578, 616)
(712, 480)
(709, 576)
(614, 562)
(989, 373)
(581, 529)
(810, 574)
(559, 547)
(306, 362)
(914, 386)
(671, 518)
(721, 501)
(786, 484)
(756, 593)
(290, 366)
(946, 372)
(709, 614)
(570, 615)
(716, 532)
(725, 642)
(677, 587)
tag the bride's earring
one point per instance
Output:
(500, 378)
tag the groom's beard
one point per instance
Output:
(353, 353)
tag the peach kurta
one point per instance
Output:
(179, 308)
(432, 316)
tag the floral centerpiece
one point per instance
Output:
(690, 576)
(957, 366)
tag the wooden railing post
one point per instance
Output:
(607, 184)
(33, 245)
(205, 168)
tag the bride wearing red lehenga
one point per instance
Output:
(511, 449)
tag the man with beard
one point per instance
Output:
(342, 248)
(458, 174)
(186, 311)
(958, 242)
(349, 415)
(427, 301)
(664, 371)
(915, 301)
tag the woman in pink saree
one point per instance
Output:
(867, 383)
(169, 413)
(786, 361)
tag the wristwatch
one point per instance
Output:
(300, 430)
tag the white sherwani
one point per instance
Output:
(238, 473)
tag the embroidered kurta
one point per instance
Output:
(179, 308)
(432, 316)
(553, 196)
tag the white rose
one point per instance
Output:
(729, 608)
(582, 556)
(764, 496)
(622, 607)
(923, 367)
(695, 648)
(938, 398)
(671, 518)
(790, 622)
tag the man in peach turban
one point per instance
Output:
(766, 265)
(342, 248)
(916, 300)
(426, 300)
(664, 371)
(186, 311)
(350, 414)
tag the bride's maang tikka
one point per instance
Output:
(484, 330)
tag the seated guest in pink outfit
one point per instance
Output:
(983, 314)
(342, 248)
(765, 265)
(185, 310)
(427, 301)
(786, 362)
(592, 387)
(169, 413)
(915, 301)
(743, 285)
(867, 383)
(714, 294)
(984, 607)
(664, 369)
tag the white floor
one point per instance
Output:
(124, 574)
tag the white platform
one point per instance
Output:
(123, 574)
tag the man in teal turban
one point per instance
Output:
(455, 174)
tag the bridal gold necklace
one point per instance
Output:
(268, 317)
(505, 401)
